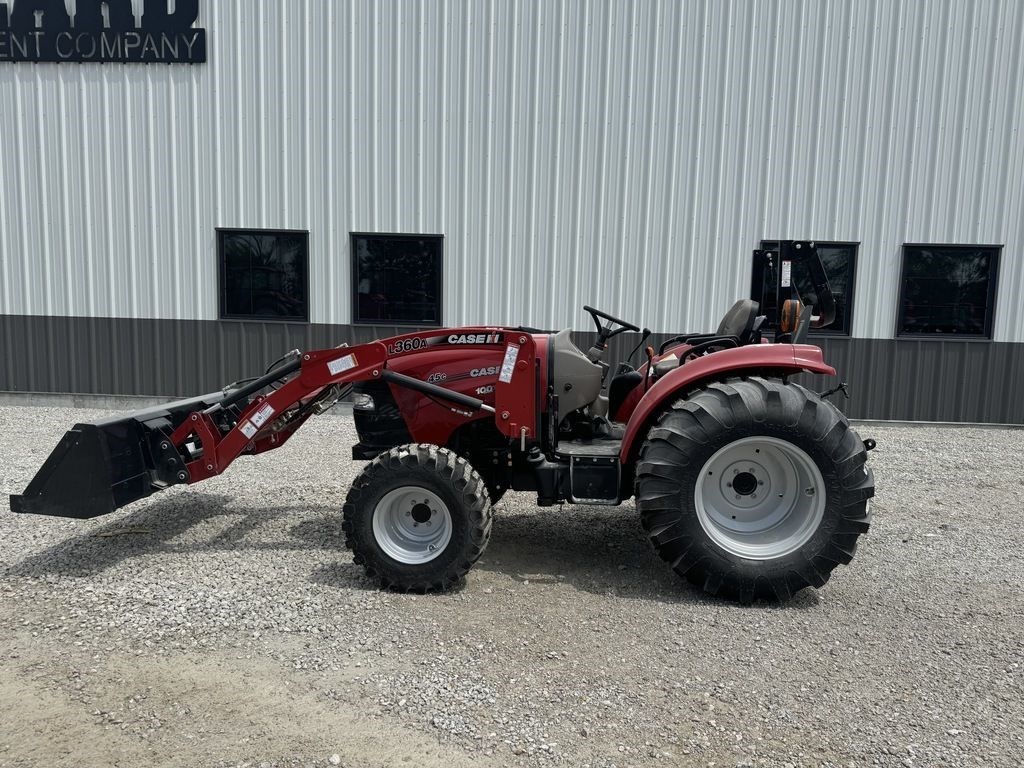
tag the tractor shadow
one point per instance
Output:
(593, 549)
(174, 526)
(600, 550)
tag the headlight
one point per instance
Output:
(363, 402)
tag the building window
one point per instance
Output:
(397, 278)
(264, 274)
(948, 289)
(840, 263)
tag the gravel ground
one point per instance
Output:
(225, 625)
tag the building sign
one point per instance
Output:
(101, 31)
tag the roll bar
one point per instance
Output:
(802, 253)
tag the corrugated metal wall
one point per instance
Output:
(625, 154)
(908, 379)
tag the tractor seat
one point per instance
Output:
(739, 320)
(739, 327)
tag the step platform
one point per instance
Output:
(595, 474)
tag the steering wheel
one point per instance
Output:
(606, 332)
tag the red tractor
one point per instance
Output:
(748, 484)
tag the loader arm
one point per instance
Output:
(98, 468)
(268, 421)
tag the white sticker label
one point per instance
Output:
(787, 274)
(507, 367)
(248, 429)
(341, 364)
(263, 414)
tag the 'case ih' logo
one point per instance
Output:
(101, 31)
(475, 338)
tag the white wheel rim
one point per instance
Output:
(412, 525)
(760, 498)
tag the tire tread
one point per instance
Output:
(420, 461)
(668, 463)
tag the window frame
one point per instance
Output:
(354, 293)
(851, 292)
(990, 297)
(222, 275)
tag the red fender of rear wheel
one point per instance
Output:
(795, 358)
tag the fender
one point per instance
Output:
(792, 358)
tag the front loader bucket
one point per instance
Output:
(97, 468)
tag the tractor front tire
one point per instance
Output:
(754, 489)
(494, 491)
(417, 517)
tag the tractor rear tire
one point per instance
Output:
(754, 489)
(417, 517)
